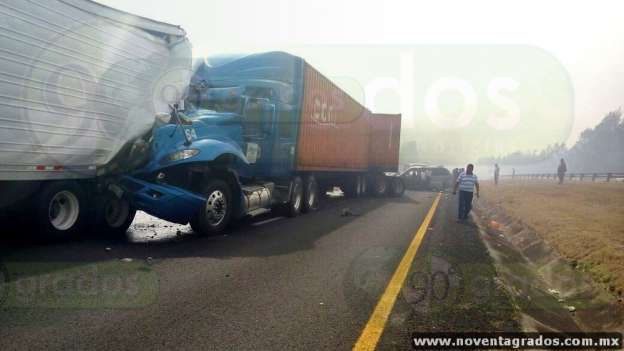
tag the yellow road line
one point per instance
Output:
(374, 328)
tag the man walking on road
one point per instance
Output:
(496, 173)
(467, 182)
(561, 171)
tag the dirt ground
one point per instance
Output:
(584, 222)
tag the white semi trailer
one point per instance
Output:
(78, 82)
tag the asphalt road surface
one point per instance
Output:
(273, 283)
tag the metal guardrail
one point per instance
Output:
(570, 176)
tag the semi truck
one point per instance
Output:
(79, 82)
(259, 133)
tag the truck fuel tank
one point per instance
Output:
(257, 196)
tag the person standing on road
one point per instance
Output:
(496, 173)
(467, 182)
(455, 175)
(561, 170)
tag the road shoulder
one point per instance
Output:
(452, 286)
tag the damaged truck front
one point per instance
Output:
(258, 133)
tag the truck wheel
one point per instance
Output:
(115, 215)
(397, 188)
(380, 185)
(217, 211)
(60, 210)
(293, 208)
(364, 185)
(310, 195)
(359, 188)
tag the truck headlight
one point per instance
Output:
(182, 155)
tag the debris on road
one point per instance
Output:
(571, 308)
(553, 292)
(126, 260)
(346, 212)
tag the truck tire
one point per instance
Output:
(359, 188)
(60, 210)
(380, 185)
(310, 195)
(114, 215)
(295, 204)
(216, 213)
(364, 185)
(397, 187)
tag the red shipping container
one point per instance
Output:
(334, 129)
(385, 139)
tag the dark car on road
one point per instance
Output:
(426, 178)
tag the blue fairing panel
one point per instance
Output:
(163, 201)
(211, 149)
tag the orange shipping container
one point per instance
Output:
(334, 129)
(385, 139)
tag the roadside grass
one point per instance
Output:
(583, 221)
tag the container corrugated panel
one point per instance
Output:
(77, 82)
(334, 130)
(385, 138)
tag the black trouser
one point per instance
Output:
(465, 204)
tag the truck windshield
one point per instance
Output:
(226, 100)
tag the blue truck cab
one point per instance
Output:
(230, 153)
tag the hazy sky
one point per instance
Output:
(587, 41)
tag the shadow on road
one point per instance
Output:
(152, 240)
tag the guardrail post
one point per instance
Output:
(609, 175)
(594, 177)
(582, 176)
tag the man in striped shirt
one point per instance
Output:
(467, 182)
